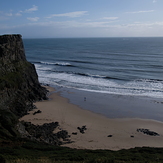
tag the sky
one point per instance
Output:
(82, 18)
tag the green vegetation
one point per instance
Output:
(25, 151)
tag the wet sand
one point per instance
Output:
(102, 132)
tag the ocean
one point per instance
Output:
(121, 66)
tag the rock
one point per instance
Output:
(44, 133)
(148, 132)
(36, 112)
(74, 133)
(62, 134)
(82, 129)
(110, 136)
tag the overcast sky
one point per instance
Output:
(82, 18)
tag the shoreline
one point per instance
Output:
(115, 106)
(101, 132)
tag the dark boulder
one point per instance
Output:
(36, 112)
(109, 136)
(147, 132)
(82, 129)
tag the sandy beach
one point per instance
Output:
(101, 132)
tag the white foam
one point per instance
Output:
(42, 68)
(56, 63)
(136, 88)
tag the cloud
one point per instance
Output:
(110, 18)
(82, 29)
(18, 14)
(34, 8)
(154, 1)
(138, 12)
(69, 14)
(96, 24)
(9, 14)
(30, 10)
(5, 16)
(34, 19)
(73, 24)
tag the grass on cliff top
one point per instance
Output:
(31, 152)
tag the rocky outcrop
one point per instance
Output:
(19, 88)
(19, 85)
(44, 133)
(147, 132)
(82, 129)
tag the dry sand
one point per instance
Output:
(99, 127)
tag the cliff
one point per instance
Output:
(19, 85)
(19, 88)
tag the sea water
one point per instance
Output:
(121, 66)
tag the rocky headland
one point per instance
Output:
(19, 89)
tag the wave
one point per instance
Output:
(133, 88)
(100, 83)
(99, 76)
(88, 75)
(55, 63)
(82, 62)
(151, 81)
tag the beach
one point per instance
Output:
(100, 132)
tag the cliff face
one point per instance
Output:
(19, 86)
